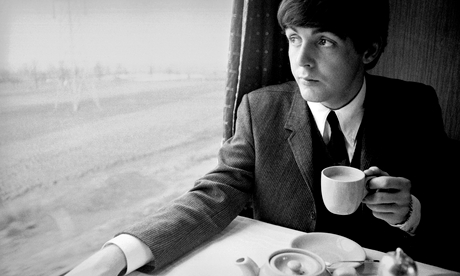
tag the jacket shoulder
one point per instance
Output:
(273, 93)
(400, 92)
(287, 87)
(272, 103)
(402, 87)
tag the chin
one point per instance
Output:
(310, 95)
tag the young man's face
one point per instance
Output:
(327, 68)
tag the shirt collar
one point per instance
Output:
(350, 116)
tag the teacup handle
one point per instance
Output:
(366, 184)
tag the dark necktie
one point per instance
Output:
(336, 145)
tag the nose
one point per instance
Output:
(305, 56)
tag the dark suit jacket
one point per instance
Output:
(275, 158)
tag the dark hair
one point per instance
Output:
(363, 21)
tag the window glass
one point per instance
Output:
(108, 110)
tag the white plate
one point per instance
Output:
(331, 248)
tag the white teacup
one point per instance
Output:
(343, 189)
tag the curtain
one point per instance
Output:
(258, 54)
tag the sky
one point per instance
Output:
(138, 34)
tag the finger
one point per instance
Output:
(390, 218)
(389, 213)
(388, 208)
(390, 183)
(375, 171)
(390, 196)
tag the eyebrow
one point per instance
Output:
(316, 30)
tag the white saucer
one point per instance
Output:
(331, 248)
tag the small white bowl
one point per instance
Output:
(331, 248)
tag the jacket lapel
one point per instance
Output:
(299, 122)
(367, 148)
(370, 121)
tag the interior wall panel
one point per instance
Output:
(424, 46)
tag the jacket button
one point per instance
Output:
(313, 215)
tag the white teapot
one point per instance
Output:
(284, 262)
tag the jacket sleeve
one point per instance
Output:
(214, 201)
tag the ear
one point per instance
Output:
(372, 53)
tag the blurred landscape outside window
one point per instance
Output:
(108, 110)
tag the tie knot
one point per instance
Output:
(333, 120)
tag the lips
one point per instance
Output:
(307, 77)
(308, 81)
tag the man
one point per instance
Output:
(282, 140)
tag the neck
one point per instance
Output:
(349, 97)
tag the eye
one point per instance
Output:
(295, 40)
(325, 42)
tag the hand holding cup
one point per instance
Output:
(391, 198)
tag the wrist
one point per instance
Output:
(135, 253)
(413, 217)
(114, 258)
(408, 215)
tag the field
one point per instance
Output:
(72, 176)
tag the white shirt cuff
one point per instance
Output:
(136, 252)
(411, 224)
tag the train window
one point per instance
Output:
(108, 110)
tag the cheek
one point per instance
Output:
(352, 60)
(292, 60)
(343, 67)
(293, 68)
